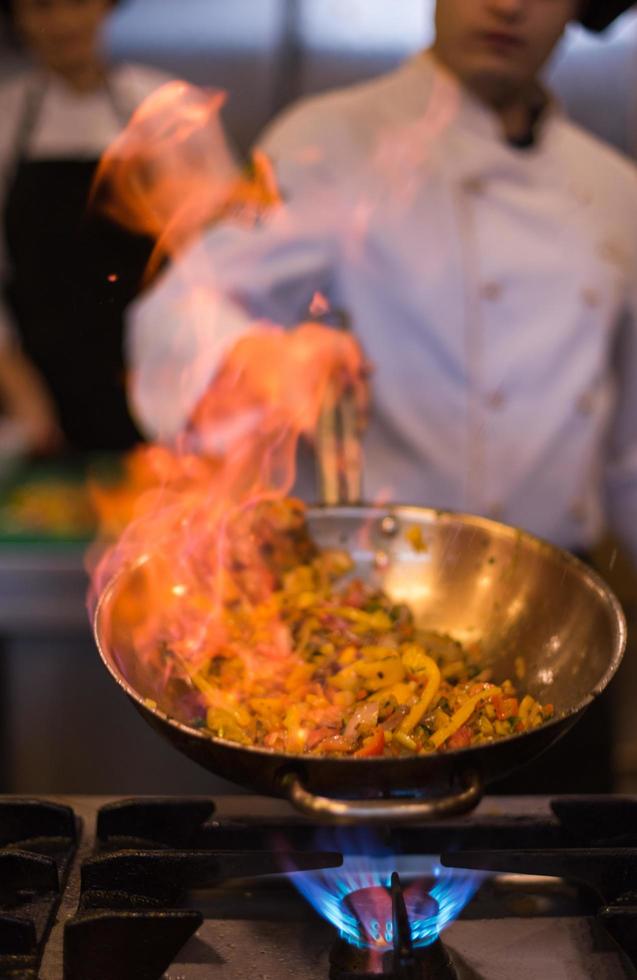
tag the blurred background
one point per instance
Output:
(63, 725)
(267, 53)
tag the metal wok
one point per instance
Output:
(478, 580)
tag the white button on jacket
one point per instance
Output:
(467, 267)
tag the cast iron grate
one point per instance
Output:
(134, 912)
(37, 843)
(597, 849)
(133, 918)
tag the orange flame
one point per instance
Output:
(198, 536)
(196, 530)
(171, 171)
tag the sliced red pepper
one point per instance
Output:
(318, 735)
(504, 707)
(461, 739)
(374, 745)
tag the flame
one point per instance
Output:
(199, 536)
(365, 920)
(171, 171)
(195, 532)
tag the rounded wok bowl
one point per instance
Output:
(476, 579)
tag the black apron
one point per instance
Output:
(72, 274)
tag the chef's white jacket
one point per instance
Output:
(493, 289)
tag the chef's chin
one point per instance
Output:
(494, 78)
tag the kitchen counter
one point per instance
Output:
(45, 527)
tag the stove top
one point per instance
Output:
(185, 889)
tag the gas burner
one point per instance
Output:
(434, 896)
(373, 912)
(116, 892)
(385, 942)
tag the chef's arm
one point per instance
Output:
(234, 277)
(621, 473)
(233, 280)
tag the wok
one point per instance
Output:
(476, 579)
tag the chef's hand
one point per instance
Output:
(277, 377)
(30, 425)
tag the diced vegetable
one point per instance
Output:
(461, 716)
(462, 738)
(374, 745)
(329, 667)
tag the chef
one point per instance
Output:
(67, 276)
(484, 249)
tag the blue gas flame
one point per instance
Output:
(367, 866)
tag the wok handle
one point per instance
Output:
(386, 810)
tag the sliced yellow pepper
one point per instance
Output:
(401, 692)
(226, 725)
(526, 707)
(461, 716)
(300, 674)
(305, 600)
(348, 656)
(430, 670)
(377, 652)
(377, 674)
(353, 615)
(345, 699)
(378, 620)
(346, 679)
(405, 741)
(426, 670)
(270, 709)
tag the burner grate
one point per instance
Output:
(37, 843)
(606, 866)
(133, 916)
(137, 907)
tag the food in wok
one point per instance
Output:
(321, 662)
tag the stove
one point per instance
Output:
(242, 887)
